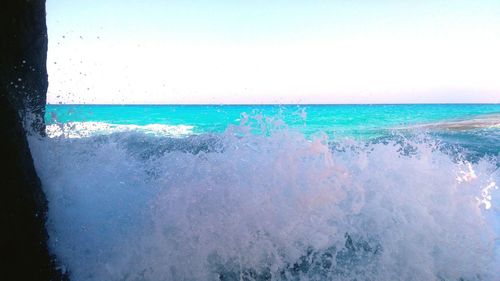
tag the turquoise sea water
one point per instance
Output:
(264, 192)
(336, 120)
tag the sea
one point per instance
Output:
(273, 192)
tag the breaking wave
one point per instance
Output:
(86, 129)
(277, 206)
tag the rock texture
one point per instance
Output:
(23, 59)
(23, 86)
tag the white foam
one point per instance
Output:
(86, 129)
(261, 204)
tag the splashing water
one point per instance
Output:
(269, 206)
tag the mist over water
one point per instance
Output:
(262, 201)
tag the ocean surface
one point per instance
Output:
(268, 192)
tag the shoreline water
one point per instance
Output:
(269, 198)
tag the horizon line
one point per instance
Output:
(275, 104)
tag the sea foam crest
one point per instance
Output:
(266, 207)
(86, 129)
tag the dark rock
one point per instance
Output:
(23, 205)
(23, 86)
(23, 58)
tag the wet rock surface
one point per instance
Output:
(23, 87)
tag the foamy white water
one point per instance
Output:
(133, 206)
(86, 129)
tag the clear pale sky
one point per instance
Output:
(274, 51)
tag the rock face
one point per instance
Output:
(23, 86)
(23, 59)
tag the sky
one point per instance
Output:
(273, 51)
